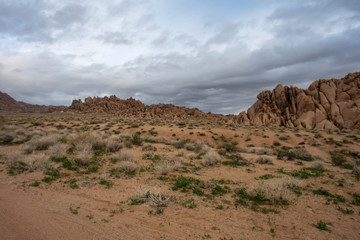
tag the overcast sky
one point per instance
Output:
(216, 55)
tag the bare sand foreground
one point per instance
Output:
(74, 176)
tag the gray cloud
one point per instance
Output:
(305, 41)
(37, 20)
(116, 38)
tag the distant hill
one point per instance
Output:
(135, 108)
(8, 104)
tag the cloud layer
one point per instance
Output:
(214, 56)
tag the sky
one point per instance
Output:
(215, 55)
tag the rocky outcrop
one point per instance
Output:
(326, 104)
(8, 104)
(135, 108)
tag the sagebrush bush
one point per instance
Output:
(276, 190)
(18, 163)
(93, 138)
(127, 166)
(114, 143)
(211, 158)
(83, 154)
(57, 151)
(158, 139)
(191, 156)
(41, 143)
(356, 170)
(337, 158)
(122, 156)
(265, 160)
(260, 151)
(164, 167)
(317, 164)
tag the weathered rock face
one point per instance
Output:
(8, 104)
(326, 104)
(135, 108)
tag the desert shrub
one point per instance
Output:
(322, 226)
(57, 151)
(18, 163)
(265, 160)
(154, 197)
(160, 200)
(179, 143)
(317, 164)
(210, 158)
(37, 162)
(158, 139)
(83, 154)
(337, 158)
(113, 144)
(95, 140)
(275, 191)
(301, 154)
(136, 139)
(191, 156)
(356, 170)
(127, 167)
(181, 153)
(6, 136)
(149, 148)
(122, 156)
(163, 167)
(228, 144)
(41, 143)
(189, 146)
(259, 151)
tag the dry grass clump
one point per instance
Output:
(127, 166)
(160, 200)
(37, 162)
(154, 197)
(83, 154)
(211, 158)
(18, 163)
(57, 151)
(93, 138)
(114, 143)
(122, 156)
(41, 143)
(265, 160)
(196, 146)
(276, 190)
(164, 167)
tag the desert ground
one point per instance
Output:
(98, 176)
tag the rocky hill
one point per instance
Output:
(326, 104)
(135, 108)
(8, 104)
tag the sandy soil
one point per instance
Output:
(47, 211)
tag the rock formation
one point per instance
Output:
(326, 104)
(8, 104)
(135, 108)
